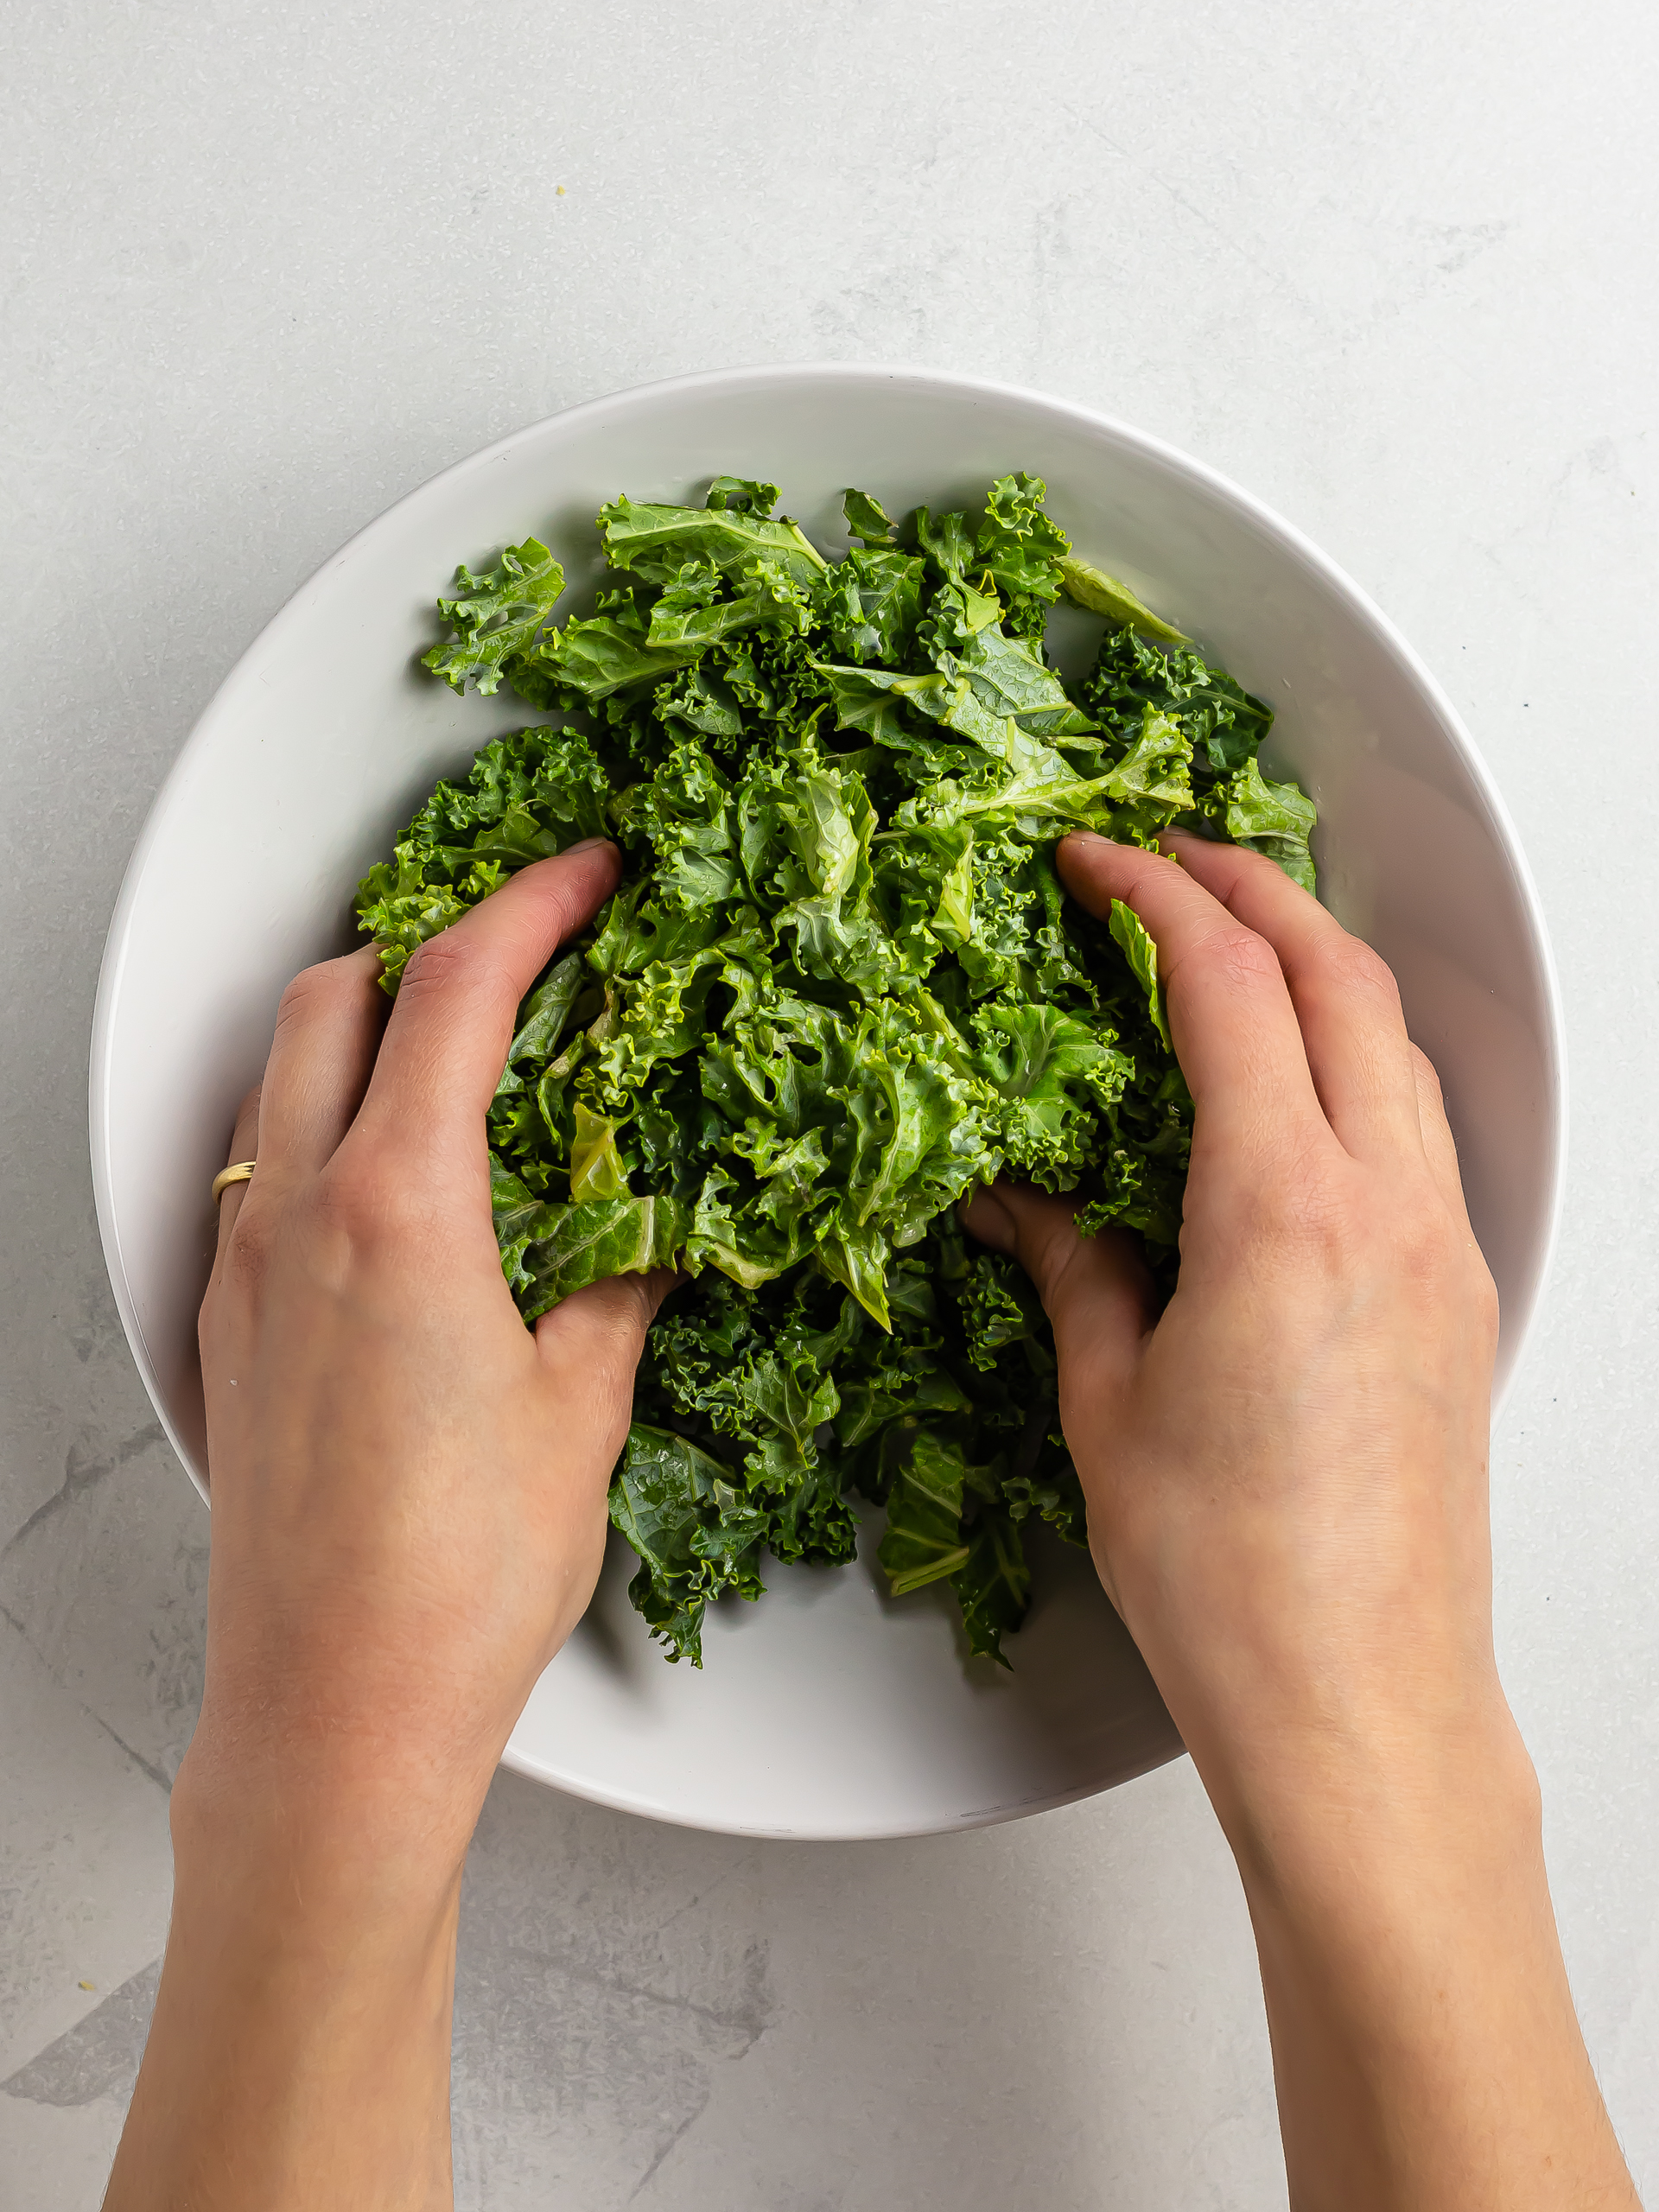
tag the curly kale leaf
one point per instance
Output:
(693, 1532)
(526, 797)
(1271, 818)
(1020, 549)
(496, 617)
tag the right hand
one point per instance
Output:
(1286, 1471)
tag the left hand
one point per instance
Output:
(409, 1486)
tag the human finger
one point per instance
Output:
(244, 1145)
(1233, 1025)
(607, 1320)
(1347, 1003)
(446, 1041)
(328, 1028)
(1095, 1290)
(593, 1340)
(1439, 1145)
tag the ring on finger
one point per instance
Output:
(242, 1172)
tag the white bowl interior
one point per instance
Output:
(827, 1710)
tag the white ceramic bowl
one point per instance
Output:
(827, 1710)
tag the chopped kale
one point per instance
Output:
(839, 990)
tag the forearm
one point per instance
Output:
(300, 2050)
(1426, 2049)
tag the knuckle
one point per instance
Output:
(1321, 1224)
(1242, 959)
(368, 1203)
(1436, 1256)
(310, 992)
(1426, 1073)
(1423, 1242)
(450, 961)
(250, 1249)
(1310, 1219)
(1482, 1295)
(1352, 969)
(598, 1332)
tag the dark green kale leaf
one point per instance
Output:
(693, 1532)
(840, 990)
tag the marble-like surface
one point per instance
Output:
(265, 270)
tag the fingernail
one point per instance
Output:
(1086, 838)
(584, 845)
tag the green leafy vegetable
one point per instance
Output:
(1272, 818)
(497, 616)
(839, 990)
(867, 518)
(1103, 594)
(1130, 933)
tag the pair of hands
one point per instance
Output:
(405, 1473)
(1286, 1474)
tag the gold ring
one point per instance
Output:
(240, 1174)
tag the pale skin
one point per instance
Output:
(1287, 1478)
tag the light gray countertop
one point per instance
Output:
(1392, 268)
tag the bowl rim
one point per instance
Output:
(804, 374)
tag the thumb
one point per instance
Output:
(1095, 1290)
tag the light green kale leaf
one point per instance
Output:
(1129, 932)
(1086, 586)
(497, 616)
(654, 543)
(1272, 818)
(867, 518)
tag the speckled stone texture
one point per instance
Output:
(264, 270)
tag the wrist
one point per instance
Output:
(1378, 1854)
(303, 1942)
(358, 1808)
(1326, 1710)
(1353, 1778)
